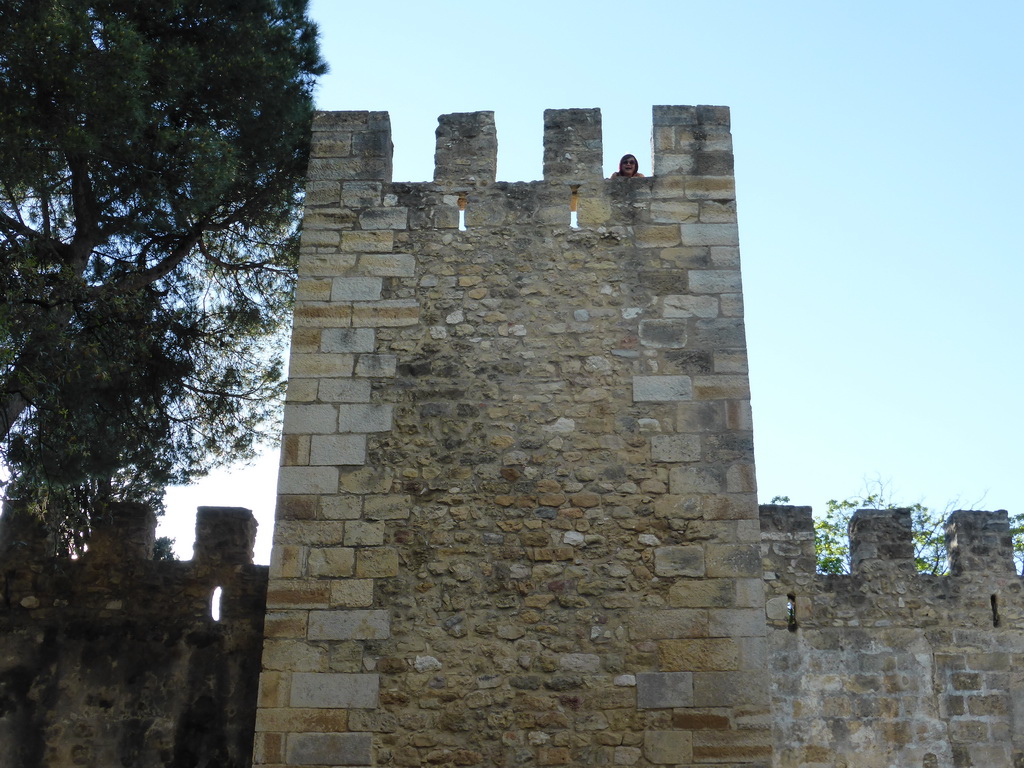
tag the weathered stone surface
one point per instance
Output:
(664, 690)
(330, 749)
(541, 483)
(334, 690)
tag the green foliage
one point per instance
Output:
(163, 548)
(151, 159)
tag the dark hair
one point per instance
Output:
(629, 157)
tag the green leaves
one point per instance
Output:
(151, 160)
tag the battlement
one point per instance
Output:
(153, 661)
(881, 542)
(117, 566)
(686, 140)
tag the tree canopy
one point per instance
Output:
(151, 157)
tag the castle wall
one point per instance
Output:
(886, 666)
(114, 659)
(517, 519)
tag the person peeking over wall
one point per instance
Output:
(629, 168)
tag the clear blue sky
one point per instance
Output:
(877, 166)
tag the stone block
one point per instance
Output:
(356, 288)
(729, 689)
(285, 624)
(661, 388)
(714, 281)
(360, 533)
(320, 365)
(286, 560)
(304, 720)
(315, 532)
(348, 340)
(334, 749)
(668, 747)
(679, 561)
(706, 234)
(363, 417)
(349, 625)
(663, 334)
(344, 507)
(721, 387)
(312, 314)
(302, 390)
(313, 289)
(387, 507)
(352, 593)
(361, 194)
(296, 593)
(675, 448)
(335, 690)
(331, 562)
(739, 746)
(345, 390)
(674, 211)
(387, 264)
(733, 561)
(703, 654)
(376, 242)
(391, 313)
(325, 264)
(664, 690)
(668, 623)
(705, 593)
(274, 688)
(656, 235)
(376, 563)
(302, 419)
(337, 450)
(294, 656)
(379, 366)
(690, 306)
(691, 480)
(307, 480)
(384, 218)
(737, 622)
(700, 417)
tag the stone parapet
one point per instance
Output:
(126, 648)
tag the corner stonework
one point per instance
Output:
(516, 519)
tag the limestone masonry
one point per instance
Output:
(517, 520)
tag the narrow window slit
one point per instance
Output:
(573, 203)
(995, 611)
(462, 213)
(215, 603)
(791, 613)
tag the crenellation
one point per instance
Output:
(467, 150)
(224, 536)
(787, 541)
(979, 541)
(123, 531)
(881, 540)
(573, 145)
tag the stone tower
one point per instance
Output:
(516, 521)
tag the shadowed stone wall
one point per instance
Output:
(886, 666)
(114, 659)
(517, 519)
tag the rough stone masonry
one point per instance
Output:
(517, 521)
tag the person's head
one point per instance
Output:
(628, 166)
